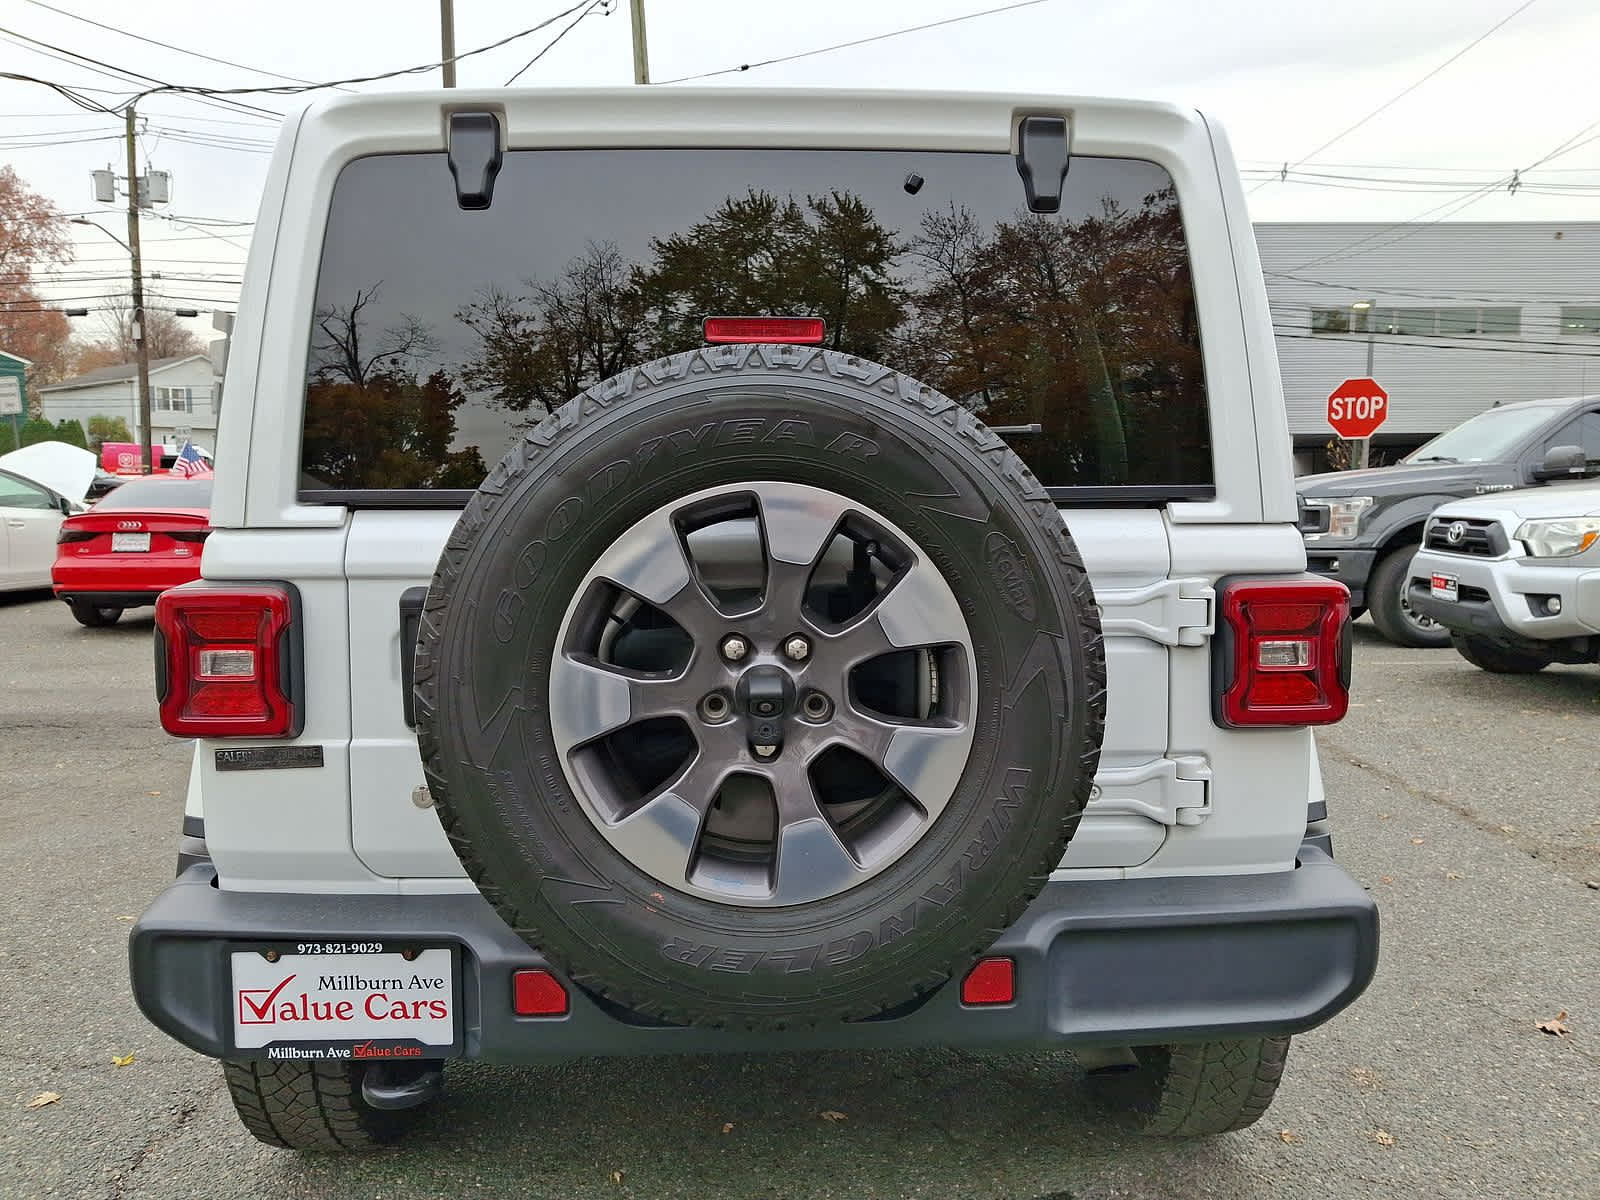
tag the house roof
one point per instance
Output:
(27, 362)
(116, 372)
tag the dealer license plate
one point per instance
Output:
(331, 1000)
(130, 541)
(1443, 587)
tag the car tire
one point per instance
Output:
(1391, 611)
(630, 915)
(93, 615)
(300, 1105)
(1194, 1090)
(1357, 612)
(1497, 659)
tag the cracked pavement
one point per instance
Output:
(1465, 801)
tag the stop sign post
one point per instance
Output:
(1355, 410)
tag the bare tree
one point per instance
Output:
(337, 350)
(165, 335)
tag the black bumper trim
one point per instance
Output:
(1354, 565)
(1481, 619)
(1098, 962)
(108, 599)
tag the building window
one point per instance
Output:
(1451, 322)
(173, 399)
(1581, 319)
(1330, 320)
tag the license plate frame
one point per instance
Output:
(1444, 587)
(374, 960)
(130, 543)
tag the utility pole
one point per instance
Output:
(447, 41)
(641, 51)
(140, 346)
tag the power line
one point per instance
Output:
(1413, 224)
(421, 68)
(1390, 340)
(1404, 92)
(112, 71)
(166, 45)
(551, 45)
(878, 37)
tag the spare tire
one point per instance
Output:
(760, 686)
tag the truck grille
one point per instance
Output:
(1481, 539)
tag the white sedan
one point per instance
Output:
(39, 485)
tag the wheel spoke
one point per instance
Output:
(812, 861)
(920, 610)
(649, 561)
(799, 524)
(660, 837)
(925, 759)
(596, 700)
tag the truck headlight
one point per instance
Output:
(1344, 516)
(1559, 537)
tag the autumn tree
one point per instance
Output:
(540, 346)
(371, 421)
(33, 235)
(764, 255)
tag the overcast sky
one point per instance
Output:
(1282, 76)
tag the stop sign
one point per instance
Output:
(1357, 407)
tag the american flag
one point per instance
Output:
(189, 462)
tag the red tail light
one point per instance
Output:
(227, 660)
(1283, 652)
(797, 331)
(68, 533)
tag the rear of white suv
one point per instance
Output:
(433, 273)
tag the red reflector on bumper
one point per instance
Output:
(991, 981)
(537, 994)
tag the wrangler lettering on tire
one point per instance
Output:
(761, 686)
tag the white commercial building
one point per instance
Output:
(182, 398)
(1456, 316)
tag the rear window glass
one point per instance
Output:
(158, 493)
(440, 335)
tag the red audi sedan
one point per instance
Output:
(143, 538)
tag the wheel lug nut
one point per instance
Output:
(734, 647)
(797, 648)
(766, 751)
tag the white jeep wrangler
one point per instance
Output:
(707, 570)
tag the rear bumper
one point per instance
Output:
(1349, 566)
(1103, 962)
(123, 584)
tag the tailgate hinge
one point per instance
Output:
(1174, 612)
(1169, 791)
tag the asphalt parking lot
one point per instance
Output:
(1466, 802)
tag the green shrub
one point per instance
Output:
(72, 433)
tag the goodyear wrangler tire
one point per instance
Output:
(760, 686)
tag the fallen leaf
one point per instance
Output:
(42, 1099)
(1508, 829)
(1288, 1137)
(1385, 878)
(1365, 1077)
(616, 1176)
(1418, 841)
(122, 1060)
(727, 1127)
(1382, 1136)
(124, 916)
(152, 793)
(1592, 884)
(833, 1114)
(1452, 874)
(1555, 1025)
(1384, 816)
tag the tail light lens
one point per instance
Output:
(67, 534)
(797, 331)
(1283, 652)
(188, 535)
(227, 660)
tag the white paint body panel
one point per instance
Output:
(1177, 795)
